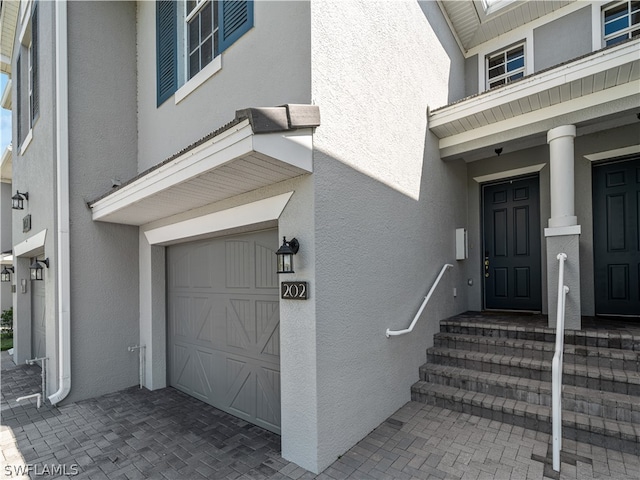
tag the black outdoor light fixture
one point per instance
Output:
(285, 255)
(5, 275)
(37, 268)
(17, 201)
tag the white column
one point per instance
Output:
(560, 140)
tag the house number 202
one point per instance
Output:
(293, 290)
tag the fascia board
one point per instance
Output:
(31, 245)
(627, 90)
(600, 62)
(294, 148)
(212, 154)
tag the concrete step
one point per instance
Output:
(597, 378)
(614, 434)
(614, 406)
(588, 338)
(614, 358)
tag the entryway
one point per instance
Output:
(38, 320)
(223, 324)
(616, 237)
(511, 263)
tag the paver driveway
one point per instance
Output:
(166, 434)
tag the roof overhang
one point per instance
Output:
(9, 10)
(594, 92)
(6, 165)
(235, 161)
(5, 101)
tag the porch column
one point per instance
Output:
(563, 234)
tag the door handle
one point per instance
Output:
(486, 267)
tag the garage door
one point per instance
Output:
(38, 325)
(223, 324)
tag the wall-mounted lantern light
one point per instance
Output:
(5, 275)
(17, 201)
(37, 268)
(285, 255)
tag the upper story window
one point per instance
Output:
(621, 21)
(505, 66)
(190, 37)
(27, 80)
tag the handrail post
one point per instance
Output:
(556, 366)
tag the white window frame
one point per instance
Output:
(625, 31)
(506, 74)
(26, 37)
(188, 85)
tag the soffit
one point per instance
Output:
(231, 162)
(9, 10)
(571, 91)
(473, 26)
(6, 165)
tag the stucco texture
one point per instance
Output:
(380, 193)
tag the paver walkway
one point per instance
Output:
(165, 434)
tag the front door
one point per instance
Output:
(616, 237)
(512, 272)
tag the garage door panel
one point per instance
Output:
(224, 339)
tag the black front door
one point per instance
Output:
(512, 272)
(616, 237)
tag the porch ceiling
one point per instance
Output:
(234, 161)
(6, 165)
(8, 21)
(605, 84)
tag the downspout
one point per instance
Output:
(62, 204)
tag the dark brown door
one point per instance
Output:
(616, 237)
(512, 272)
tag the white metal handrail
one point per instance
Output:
(390, 333)
(556, 366)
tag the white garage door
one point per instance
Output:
(223, 324)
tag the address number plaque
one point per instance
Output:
(294, 291)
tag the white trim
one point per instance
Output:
(30, 245)
(526, 30)
(596, 63)
(26, 142)
(617, 152)
(562, 231)
(198, 79)
(5, 102)
(249, 214)
(628, 90)
(596, 25)
(516, 172)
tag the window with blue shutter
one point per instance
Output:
(191, 33)
(237, 19)
(19, 100)
(34, 97)
(166, 49)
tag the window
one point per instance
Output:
(27, 80)
(34, 105)
(505, 66)
(621, 21)
(191, 34)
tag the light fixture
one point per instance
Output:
(498, 151)
(5, 275)
(285, 255)
(37, 268)
(17, 201)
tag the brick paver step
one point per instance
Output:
(614, 406)
(614, 434)
(614, 358)
(588, 338)
(597, 378)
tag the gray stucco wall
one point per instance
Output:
(33, 172)
(380, 190)
(102, 146)
(471, 75)
(564, 39)
(6, 300)
(268, 66)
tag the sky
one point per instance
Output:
(5, 119)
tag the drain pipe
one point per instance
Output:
(43, 374)
(62, 203)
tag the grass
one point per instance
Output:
(6, 343)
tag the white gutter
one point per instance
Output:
(62, 201)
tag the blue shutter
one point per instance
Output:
(19, 102)
(236, 19)
(35, 98)
(166, 49)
